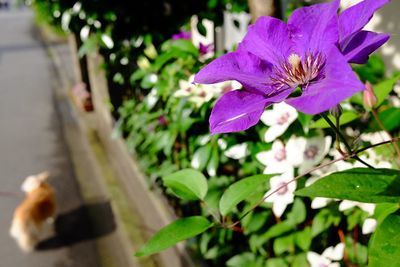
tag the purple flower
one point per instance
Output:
(205, 49)
(311, 52)
(182, 35)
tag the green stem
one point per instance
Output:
(340, 135)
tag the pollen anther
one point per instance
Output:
(297, 72)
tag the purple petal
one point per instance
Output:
(268, 39)
(339, 83)
(236, 111)
(356, 17)
(246, 68)
(315, 27)
(358, 47)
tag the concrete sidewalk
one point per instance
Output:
(31, 140)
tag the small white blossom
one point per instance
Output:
(278, 119)
(97, 24)
(394, 101)
(109, 43)
(313, 150)
(65, 20)
(279, 159)
(84, 33)
(327, 258)
(375, 137)
(238, 151)
(82, 15)
(56, 13)
(152, 98)
(222, 144)
(396, 89)
(348, 204)
(124, 61)
(284, 196)
(77, 7)
(202, 93)
(369, 226)
(204, 139)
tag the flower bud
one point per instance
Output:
(369, 96)
(336, 111)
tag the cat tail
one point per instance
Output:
(25, 233)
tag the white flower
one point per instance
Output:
(200, 93)
(109, 43)
(77, 7)
(82, 15)
(238, 151)
(125, 61)
(396, 89)
(313, 150)
(279, 159)
(222, 144)
(56, 13)
(369, 226)
(204, 139)
(65, 20)
(152, 98)
(394, 101)
(348, 204)
(284, 196)
(97, 24)
(375, 137)
(278, 119)
(327, 258)
(84, 33)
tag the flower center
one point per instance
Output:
(283, 118)
(311, 152)
(283, 188)
(280, 154)
(297, 72)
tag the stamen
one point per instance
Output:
(295, 61)
(296, 72)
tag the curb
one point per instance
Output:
(115, 249)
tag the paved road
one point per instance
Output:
(31, 141)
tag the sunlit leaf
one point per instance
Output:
(359, 184)
(384, 246)
(187, 184)
(173, 233)
(241, 190)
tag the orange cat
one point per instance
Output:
(38, 207)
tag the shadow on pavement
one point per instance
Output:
(84, 223)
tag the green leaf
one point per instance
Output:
(382, 210)
(247, 259)
(298, 213)
(187, 184)
(283, 244)
(184, 45)
(384, 246)
(384, 88)
(390, 119)
(359, 184)
(305, 121)
(303, 239)
(324, 219)
(241, 190)
(347, 116)
(173, 233)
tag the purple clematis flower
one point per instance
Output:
(182, 35)
(311, 52)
